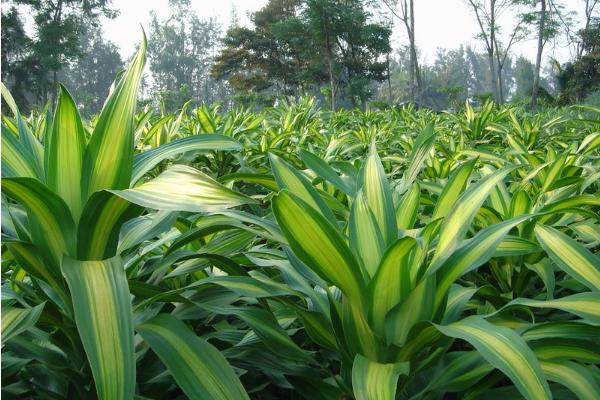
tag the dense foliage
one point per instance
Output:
(299, 253)
(62, 34)
(298, 46)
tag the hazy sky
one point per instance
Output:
(439, 23)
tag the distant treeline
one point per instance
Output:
(336, 50)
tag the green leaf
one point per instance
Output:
(392, 282)
(585, 305)
(460, 370)
(365, 236)
(458, 220)
(145, 227)
(319, 244)
(376, 189)
(31, 145)
(473, 253)
(108, 157)
(515, 246)
(183, 188)
(374, 381)
(545, 271)
(16, 160)
(562, 329)
(419, 306)
(458, 296)
(455, 186)
(264, 180)
(10, 101)
(358, 334)
(100, 225)
(289, 178)
(274, 337)
(580, 380)
(406, 211)
(18, 320)
(421, 148)
(198, 367)
(570, 256)
(255, 287)
(147, 160)
(323, 170)
(65, 150)
(28, 258)
(554, 171)
(318, 328)
(520, 203)
(50, 221)
(102, 306)
(505, 350)
(574, 349)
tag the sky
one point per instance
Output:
(439, 23)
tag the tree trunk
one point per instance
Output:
(493, 74)
(413, 55)
(414, 81)
(538, 58)
(492, 51)
(331, 83)
(389, 78)
(329, 61)
(499, 83)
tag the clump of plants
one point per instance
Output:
(294, 253)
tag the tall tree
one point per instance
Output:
(582, 76)
(89, 78)
(321, 15)
(540, 49)
(20, 70)
(299, 45)
(486, 19)
(407, 16)
(488, 13)
(272, 57)
(58, 27)
(524, 77)
(588, 12)
(362, 43)
(181, 51)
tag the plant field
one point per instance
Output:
(297, 253)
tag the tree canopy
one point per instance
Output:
(307, 46)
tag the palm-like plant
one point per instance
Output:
(72, 194)
(458, 260)
(399, 296)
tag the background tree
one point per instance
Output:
(362, 43)
(545, 15)
(181, 51)
(58, 28)
(90, 78)
(19, 69)
(271, 57)
(295, 47)
(454, 77)
(407, 16)
(581, 77)
(488, 14)
(589, 18)
(540, 49)
(524, 77)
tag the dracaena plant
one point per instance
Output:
(395, 302)
(467, 269)
(66, 199)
